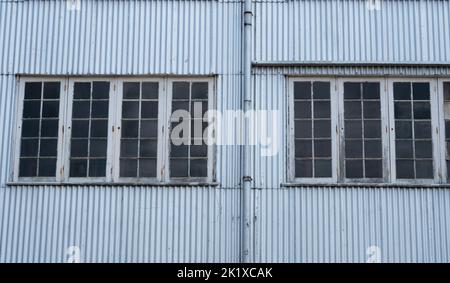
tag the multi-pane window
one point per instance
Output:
(90, 111)
(40, 129)
(106, 130)
(139, 141)
(189, 152)
(413, 134)
(386, 130)
(362, 130)
(312, 129)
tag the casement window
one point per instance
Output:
(313, 146)
(101, 130)
(382, 130)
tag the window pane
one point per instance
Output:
(150, 90)
(98, 148)
(302, 90)
(100, 90)
(131, 90)
(30, 128)
(147, 168)
(302, 109)
(128, 168)
(79, 148)
(372, 109)
(322, 109)
(31, 109)
(179, 168)
(199, 168)
(372, 129)
(82, 91)
(129, 148)
(130, 129)
(352, 90)
(422, 130)
(303, 129)
(100, 109)
(47, 167)
(303, 168)
(354, 168)
(99, 128)
(403, 129)
(353, 129)
(354, 149)
(78, 167)
(180, 90)
(29, 147)
(50, 109)
(372, 149)
(97, 167)
(80, 128)
(322, 148)
(321, 90)
(322, 128)
(200, 90)
(49, 128)
(402, 110)
(422, 110)
(51, 90)
(148, 148)
(374, 168)
(303, 148)
(424, 169)
(28, 167)
(33, 90)
(48, 147)
(149, 129)
(352, 109)
(421, 91)
(402, 91)
(81, 109)
(322, 168)
(371, 90)
(149, 109)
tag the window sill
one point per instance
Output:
(365, 185)
(117, 184)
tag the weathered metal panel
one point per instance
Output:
(340, 224)
(119, 224)
(120, 37)
(352, 31)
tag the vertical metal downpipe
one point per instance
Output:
(246, 178)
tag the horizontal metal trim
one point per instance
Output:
(364, 185)
(109, 184)
(348, 64)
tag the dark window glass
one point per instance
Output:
(180, 90)
(139, 130)
(302, 90)
(90, 112)
(189, 159)
(40, 128)
(51, 90)
(446, 88)
(150, 90)
(33, 90)
(413, 130)
(362, 130)
(312, 114)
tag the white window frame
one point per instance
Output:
(18, 130)
(118, 127)
(114, 132)
(384, 133)
(334, 134)
(434, 129)
(388, 131)
(110, 138)
(211, 148)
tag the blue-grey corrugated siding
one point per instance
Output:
(162, 224)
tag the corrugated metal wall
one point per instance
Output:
(339, 224)
(166, 224)
(347, 31)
